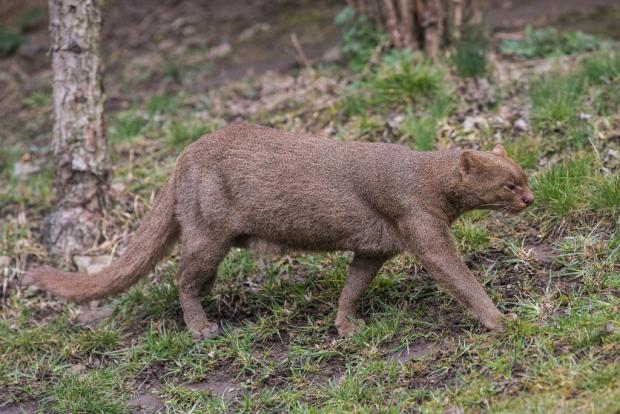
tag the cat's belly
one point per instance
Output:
(375, 237)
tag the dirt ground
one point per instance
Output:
(147, 43)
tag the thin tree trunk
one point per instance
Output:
(421, 24)
(432, 21)
(408, 24)
(79, 139)
(392, 23)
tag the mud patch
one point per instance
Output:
(226, 390)
(20, 408)
(145, 404)
(416, 351)
(88, 317)
(543, 253)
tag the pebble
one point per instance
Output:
(252, 31)
(609, 328)
(23, 170)
(219, 51)
(91, 264)
(521, 124)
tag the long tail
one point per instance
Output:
(157, 231)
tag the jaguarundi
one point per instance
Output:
(256, 187)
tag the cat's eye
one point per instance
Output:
(511, 187)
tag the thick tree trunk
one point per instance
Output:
(421, 24)
(79, 139)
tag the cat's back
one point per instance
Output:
(251, 138)
(239, 138)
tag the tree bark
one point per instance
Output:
(392, 23)
(407, 13)
(421, 24)
(432, 24)
(79, 138)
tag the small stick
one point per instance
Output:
(457, 18)
(300, 52)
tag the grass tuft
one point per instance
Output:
(555, 100)
(471, 52)
(359, 38)
(398, 82)
(560, 101)
(421, 128)
(182, 134)
(546, 42)
(127, 126)
(91, 341)
(97, 391)
(574, 191)
(162, 105)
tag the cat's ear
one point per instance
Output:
(499, 150)
(470, 163)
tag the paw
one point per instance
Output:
(209, 331)
(349, 326)
(498, 322)
(511, 316)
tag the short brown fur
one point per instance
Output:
(257, 187)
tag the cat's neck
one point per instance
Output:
(444, 187)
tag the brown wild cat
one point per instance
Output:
(257, 187)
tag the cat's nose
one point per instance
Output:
(527, 196)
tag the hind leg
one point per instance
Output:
(198, 267)
(207, 284)
(361, 272)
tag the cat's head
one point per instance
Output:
(493, 181)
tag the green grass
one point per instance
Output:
(471, 53)
(525, 151)
(291, 343)
(555, 99)
(38, 99)
(126, 126)
(91, 341)
(12, 38)
(403, 83)
(601, 72)
(472, 238)
(10, 41)
(548, 42)
(601, 68)
(555, 266)
(182, 134)
(34, 188)
(162, 105)
(556, 104)
(421, 128)
(359, 38)
(562, 104)
(400, 81)
(576, 190)
(95, 391)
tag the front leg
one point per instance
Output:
(361, 272)
(432, 243)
